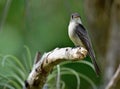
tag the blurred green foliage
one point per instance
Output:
(42, 25)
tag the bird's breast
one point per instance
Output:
(71, 29)
(72, 34)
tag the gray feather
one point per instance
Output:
(83, 35)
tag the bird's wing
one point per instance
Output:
(83, 35)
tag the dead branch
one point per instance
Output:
(44, 65)
(114, 79)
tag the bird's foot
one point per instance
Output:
(77, 47)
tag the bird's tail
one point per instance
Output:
(97, 69)
(92, 56)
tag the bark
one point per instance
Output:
(113, 52)
(45, 64)
(103, 17)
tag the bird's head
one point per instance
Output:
(76, 17)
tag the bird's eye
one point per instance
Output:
(72, 16)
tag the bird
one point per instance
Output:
(79, 36)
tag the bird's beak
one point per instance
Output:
(77, 17)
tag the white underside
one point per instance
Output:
(73, 36)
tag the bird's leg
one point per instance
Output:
(77, 46)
